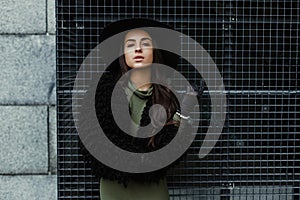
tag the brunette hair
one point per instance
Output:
(160, 94)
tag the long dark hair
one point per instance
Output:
(160, 94)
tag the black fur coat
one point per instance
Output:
(118, 137)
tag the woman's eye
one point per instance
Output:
(146, 44)
(129, 45)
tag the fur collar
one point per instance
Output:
(123, 140)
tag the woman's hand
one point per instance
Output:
(190, 99)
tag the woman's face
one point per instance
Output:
(138, 49)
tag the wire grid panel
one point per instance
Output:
(255, 45)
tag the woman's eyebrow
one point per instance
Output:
(133, 40)
(130, 40)
(146, 38)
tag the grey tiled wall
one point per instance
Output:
(27, 100)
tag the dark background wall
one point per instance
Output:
(255, 45)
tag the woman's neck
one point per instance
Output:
(141, 78)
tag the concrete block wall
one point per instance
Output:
(27, 100)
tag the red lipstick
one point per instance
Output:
(138, 58)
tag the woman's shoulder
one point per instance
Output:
(106, 85)
(107, 78)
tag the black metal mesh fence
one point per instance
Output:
(255, 45)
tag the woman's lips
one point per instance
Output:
(138, 58)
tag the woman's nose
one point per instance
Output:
(138, 48)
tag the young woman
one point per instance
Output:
(139, 54)
(138, 89)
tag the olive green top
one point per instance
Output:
(112, 190)
(137, 101)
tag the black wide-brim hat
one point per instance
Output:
(163, 35)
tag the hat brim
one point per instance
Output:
(122, 26)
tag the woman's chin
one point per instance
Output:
(140, 65)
